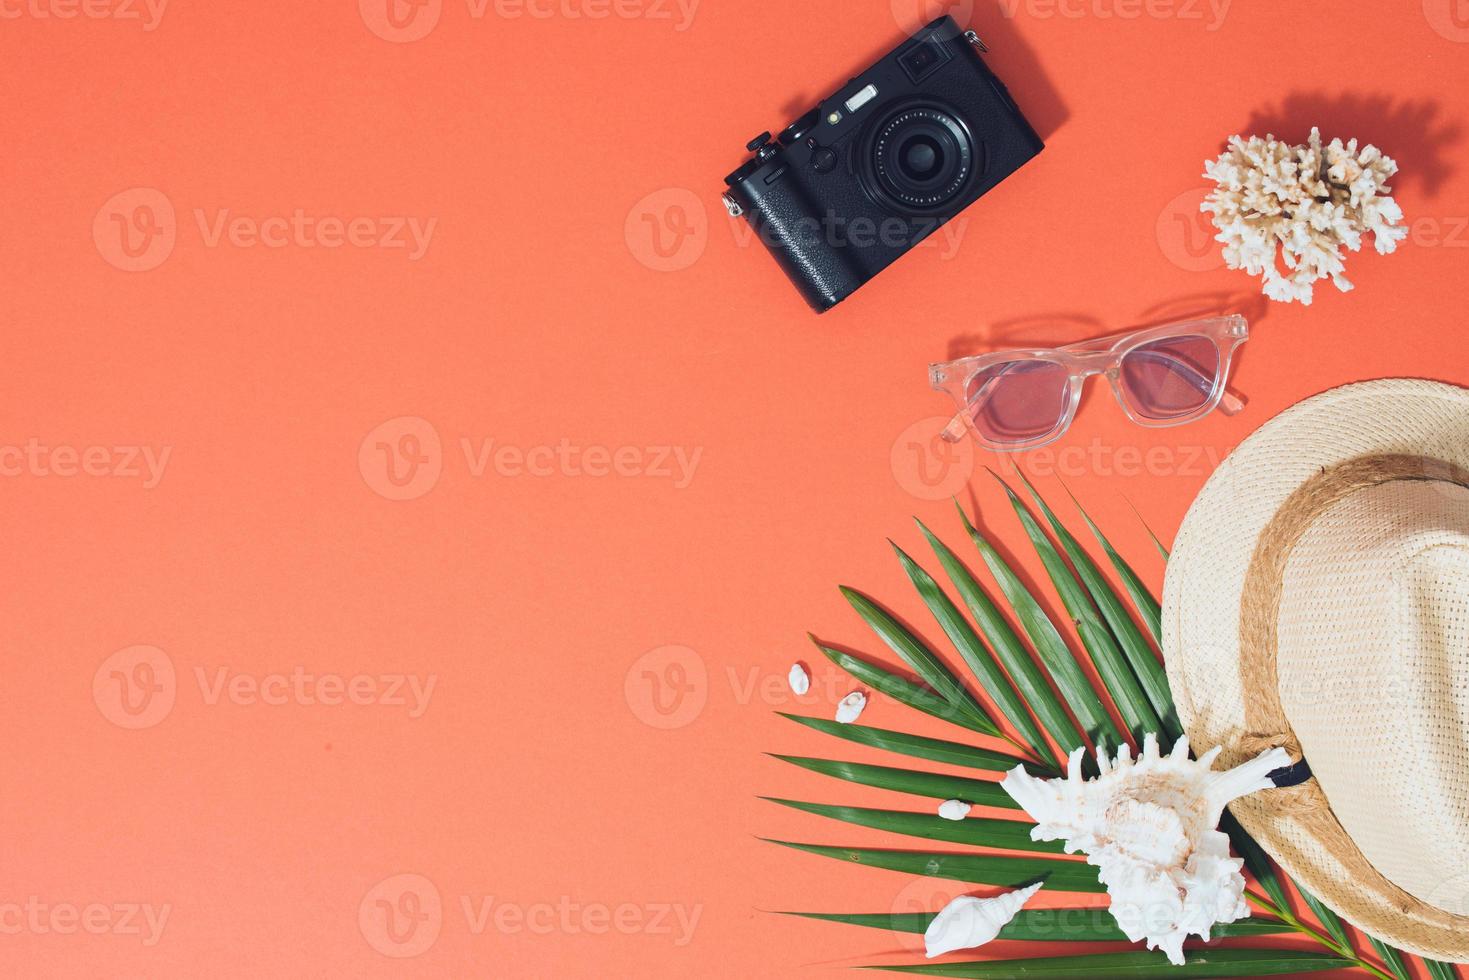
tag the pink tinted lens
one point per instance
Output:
(1170, 378)
(1019, 400)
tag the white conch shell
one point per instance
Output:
(850, 707)
(799, 680)
(1150, 827)
(967, 922)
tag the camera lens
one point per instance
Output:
(921, 158)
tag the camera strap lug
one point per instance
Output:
(732, 206)
(975, 40)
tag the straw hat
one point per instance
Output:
(1317, 598)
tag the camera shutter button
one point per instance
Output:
(824, 160)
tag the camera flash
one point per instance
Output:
(834, 118)
(864, 95)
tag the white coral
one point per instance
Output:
(1150, 829)
(1301, 203)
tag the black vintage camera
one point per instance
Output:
(874, 169)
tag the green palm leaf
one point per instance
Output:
(1120, 680)
(967, 642)
(918, 746)
(1010, 835)
(918, 656)
(1441, 971)
(1200, 963)
(930, 784)
(902, 690)
(1047, 641)
(1082, 925)
(1146, 667)
(1142, 600)
(1391, 958)
(1012, 655)
(1328, 920)
(976, 869)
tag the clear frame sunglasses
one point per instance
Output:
(1020, 399)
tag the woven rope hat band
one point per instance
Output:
(1317, 598)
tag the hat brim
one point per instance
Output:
(1205, 579)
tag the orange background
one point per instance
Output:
(547, 149)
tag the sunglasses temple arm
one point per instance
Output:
(1231, 404)
(956, 428)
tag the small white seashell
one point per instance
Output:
(967, 922)
(799, 680)
(953, 809)
(1150, 828)
(851, 707)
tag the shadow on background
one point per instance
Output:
(1009, 57)
(1411, 131)
(1059, 329)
